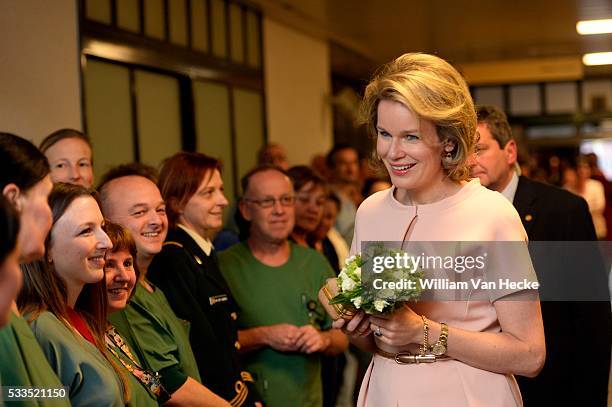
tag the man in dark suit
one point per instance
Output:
(577, 332)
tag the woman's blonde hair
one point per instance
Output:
(433, 90)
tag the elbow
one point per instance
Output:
(535, 362)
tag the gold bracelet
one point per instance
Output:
(425, 347)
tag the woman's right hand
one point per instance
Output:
(358, 326)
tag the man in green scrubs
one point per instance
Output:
(283, 327)
(130, 197)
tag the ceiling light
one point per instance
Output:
(594, 27)
(597, 58)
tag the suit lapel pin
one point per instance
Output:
(528, 218)
(197, 259)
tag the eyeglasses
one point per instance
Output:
(285, 200)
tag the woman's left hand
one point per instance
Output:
(402, 327)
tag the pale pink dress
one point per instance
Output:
(472, 214)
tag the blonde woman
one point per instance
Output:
(420, 111)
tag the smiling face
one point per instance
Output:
(274, 223)
(203, 212)
(135, 203)
(70, 161)
(78, 244)
(120, 278)
(309, 201)
(411, 151)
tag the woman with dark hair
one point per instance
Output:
(310, 196)
(10, 275)
(121, 273)
(25, 183)
(66, 305)
(70, 157)
(188, 272)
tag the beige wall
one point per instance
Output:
(298, 89)
(39, 67)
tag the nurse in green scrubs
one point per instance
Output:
(121, 273)
(66, 306)
(25, 183)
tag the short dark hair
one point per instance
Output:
(244, 181)
(9, 228)
(125, 170)
(180, 177)
(21, 163)
(122, 239)
(330, 159)
(62, 134)
(497, 122)
(301, 175)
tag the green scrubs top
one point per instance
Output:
(157, 337)
(22, 363)
(91, 379)
(275, 295)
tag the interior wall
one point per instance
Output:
(298, 92)
(39, 67)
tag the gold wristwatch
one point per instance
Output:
(439, 348)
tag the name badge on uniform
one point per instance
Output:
(217, 298)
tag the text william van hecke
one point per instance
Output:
(447, 284)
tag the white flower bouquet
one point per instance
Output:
(352, 293)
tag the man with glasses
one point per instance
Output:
(283, 329)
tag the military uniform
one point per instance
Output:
(198, 293)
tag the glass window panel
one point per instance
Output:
(219, 40)
(236, 30)
(199, 25)
(253, 48)
(98, 10)
(108, 114)
(154, 18)
(490, 95)
(213, 130)
(561, 98)
(178, 22)
(597, 95)
(248, 124)
(128, 15)
(158, 116)
(525, 100)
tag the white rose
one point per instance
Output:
(380, 305)
(358, 272)
(357, 302)
(348, 284)
(343, 276)
(349, 260)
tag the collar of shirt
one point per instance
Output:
(510, 189)
(205, 244)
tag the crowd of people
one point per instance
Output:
(136, 293)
